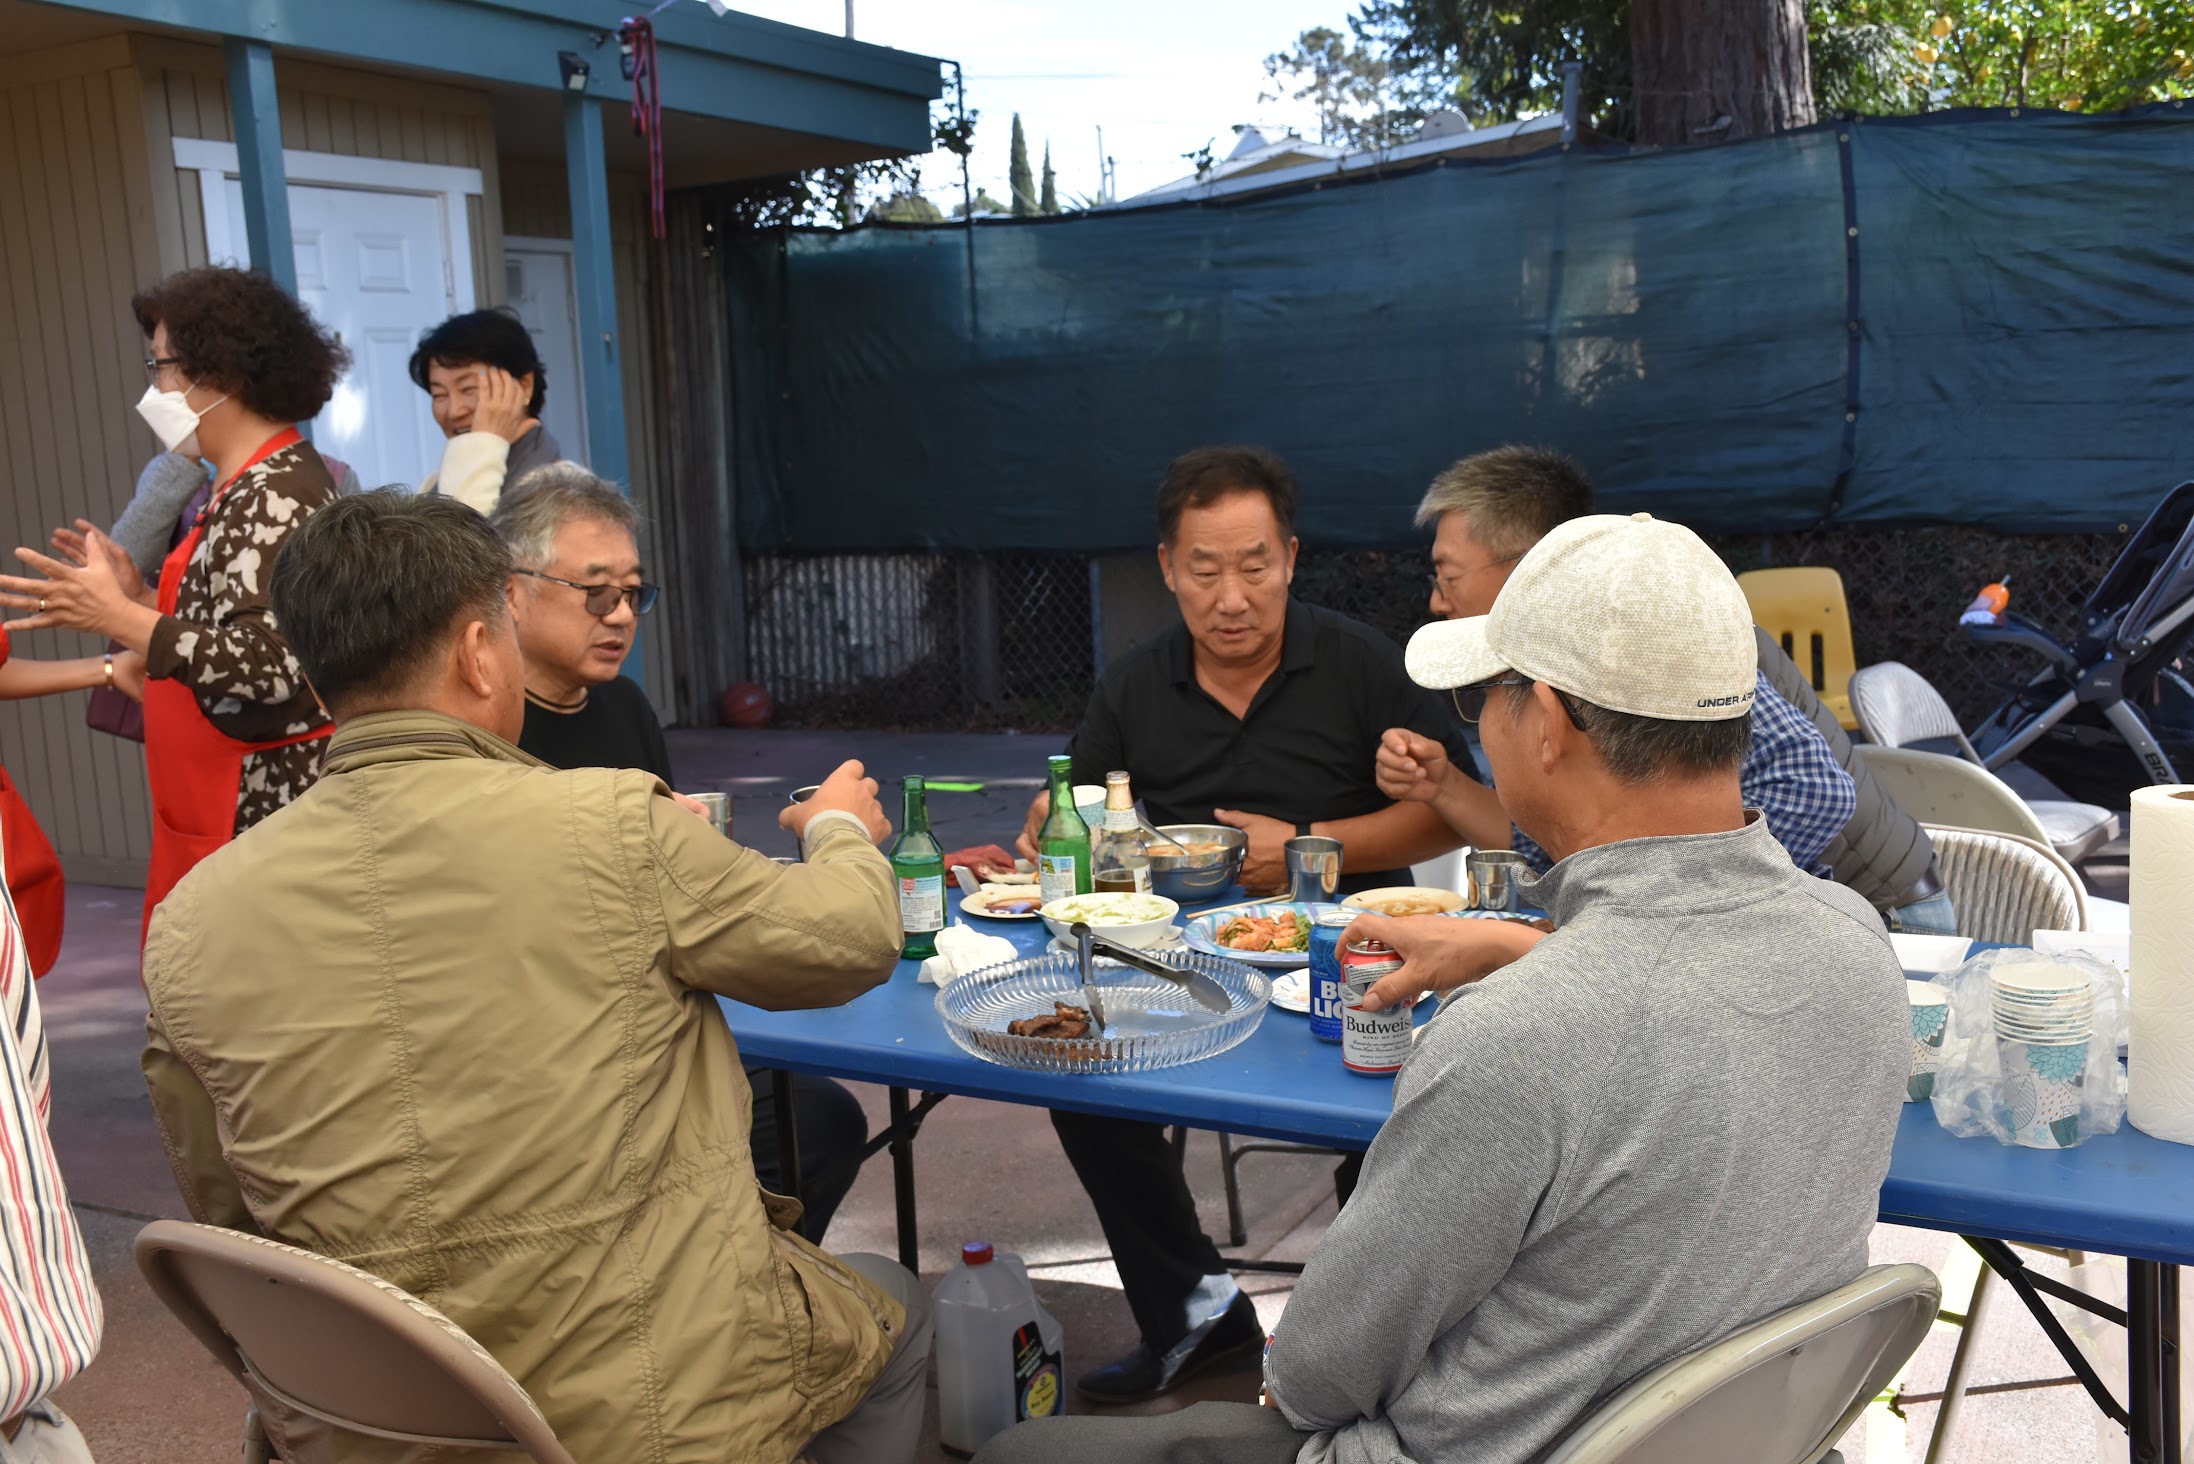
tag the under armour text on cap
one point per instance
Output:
(1627, 613)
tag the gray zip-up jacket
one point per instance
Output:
(1670, 1119)
(1882, 851)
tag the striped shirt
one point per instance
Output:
(1790, 774)
(50, 1317)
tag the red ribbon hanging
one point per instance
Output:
(636, 40)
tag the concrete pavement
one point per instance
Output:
(985, 1171)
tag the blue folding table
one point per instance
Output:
(2120, 1194)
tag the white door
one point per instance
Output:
(541, 291)
(374, 268)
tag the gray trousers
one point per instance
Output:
(1208, 1433)
(45, 1435)
(885, 1425)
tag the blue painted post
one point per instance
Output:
(594, 280)
(257, 116)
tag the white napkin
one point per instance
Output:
(961, 949)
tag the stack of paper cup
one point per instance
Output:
(1930, 1020)
(2044, 1017)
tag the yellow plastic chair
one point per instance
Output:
(1803, 608)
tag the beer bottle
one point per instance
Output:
(919, 866)
(1062, 844)
(1118, 860)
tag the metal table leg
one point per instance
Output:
(2152, 1357)
(788, 1134)
(902, 1180)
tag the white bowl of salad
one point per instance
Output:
(1120, 917)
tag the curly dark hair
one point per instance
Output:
(494, 337)
(238, 330)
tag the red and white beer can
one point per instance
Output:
(1372, 1043)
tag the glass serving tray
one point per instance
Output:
(1149, 1022)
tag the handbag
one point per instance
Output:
(34, 878)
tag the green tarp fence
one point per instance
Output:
(1975, 318)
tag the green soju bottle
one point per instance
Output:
(1062, 844)
(919, 866)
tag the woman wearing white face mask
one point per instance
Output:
(232, 732)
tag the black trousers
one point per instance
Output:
(1129, 1171)
(831, 1128)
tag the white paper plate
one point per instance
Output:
(973, 905)
(1200, 929)
(1930, 955)
(1291, 992)
(1447, 902)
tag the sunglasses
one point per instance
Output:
(1470, 701)
(604, 599)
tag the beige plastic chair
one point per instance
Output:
(1780, 1391)
(2004, 887)
(338, 1344)
(1935, 787)
(1897, 707)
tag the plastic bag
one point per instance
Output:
(2042, 1096)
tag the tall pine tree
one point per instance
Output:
(1023, 182)
(1049, 203)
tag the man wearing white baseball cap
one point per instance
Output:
(1667, 1119)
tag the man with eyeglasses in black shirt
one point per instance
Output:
(577, 597)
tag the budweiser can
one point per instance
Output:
(1325, 972)
(1372, 1043)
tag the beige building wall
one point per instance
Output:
(77, 236)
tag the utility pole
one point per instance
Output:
(849, 19)
(1101, 166)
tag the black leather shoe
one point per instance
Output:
(1146, 1372)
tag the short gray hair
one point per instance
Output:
(1512, 497)
(1645, 749)
(532, 510)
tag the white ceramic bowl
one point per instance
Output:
(1092, 910)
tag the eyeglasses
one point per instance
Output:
(1470, 701)
(1440, 581)
(604, 599)
(154, 363)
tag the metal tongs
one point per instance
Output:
(1208, 993)
(1084, 946)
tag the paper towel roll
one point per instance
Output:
(2160, 1040)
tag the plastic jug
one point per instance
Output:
(1000, 1356)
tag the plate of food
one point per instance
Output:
(1004, 902)
(1536, 922)
(1032, 1014)
(1407, 900)
(1262, 935)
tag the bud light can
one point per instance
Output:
(1325, 972)
(1372, 1043)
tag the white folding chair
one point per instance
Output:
(1780, 1391)
(1897, 706)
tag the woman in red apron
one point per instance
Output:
(232, 732)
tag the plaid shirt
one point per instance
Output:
(1790, 774)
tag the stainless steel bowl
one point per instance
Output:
(1194, 878)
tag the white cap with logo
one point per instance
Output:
(1631, 614)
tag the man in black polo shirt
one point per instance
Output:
(577, 598)
(1265, 714)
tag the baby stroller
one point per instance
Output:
(2113, 711)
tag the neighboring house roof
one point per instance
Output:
(1291, 161)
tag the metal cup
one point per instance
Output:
(1494, 878)
(1313, 868)
(802, 795)
(719, 810)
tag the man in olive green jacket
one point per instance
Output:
(451, 1017)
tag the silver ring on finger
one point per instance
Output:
(41, 604)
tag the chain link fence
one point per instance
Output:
(968, 642)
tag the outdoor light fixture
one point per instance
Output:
(574, 67)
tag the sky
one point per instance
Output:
(1161, 77)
